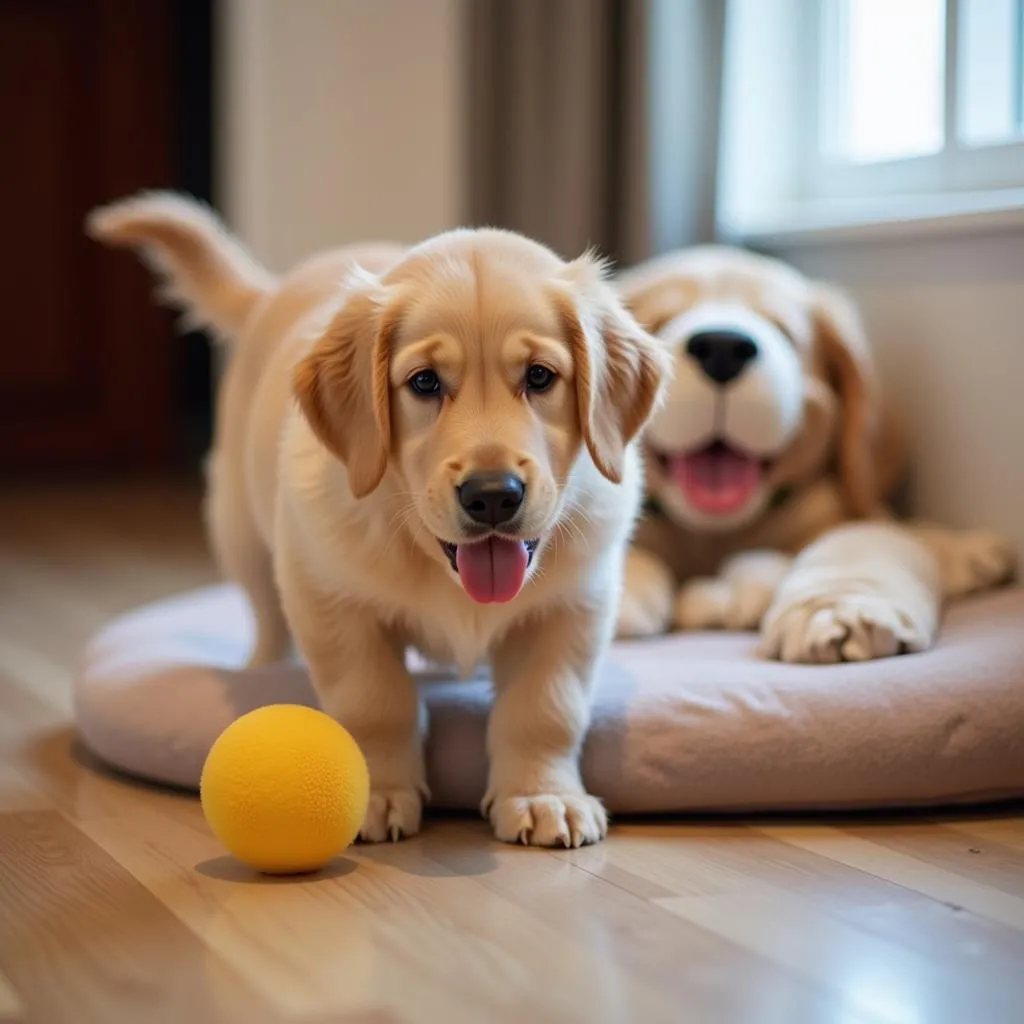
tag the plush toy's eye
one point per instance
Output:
(426, 384)
(539, 378)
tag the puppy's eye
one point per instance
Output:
(426, 384)
(539, 378)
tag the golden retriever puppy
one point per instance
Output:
(774, 432)
(430, 448)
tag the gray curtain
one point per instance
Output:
(594, 122)
(557, 122)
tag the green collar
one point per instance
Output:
(780, 497)
(652, 509)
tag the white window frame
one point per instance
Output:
(955, 168)
(776, 179)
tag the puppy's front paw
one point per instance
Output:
(846, 627)
(976, 561)
(717, 603)
(392, 814)
(548, 819)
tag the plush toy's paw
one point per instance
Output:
(975, 561)
(548, 819)
(392, 814)
(718, 603)
(638, 619)
(645, 607)
(738, 597)
(846, 627)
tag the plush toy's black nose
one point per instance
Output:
(722, 355)
(491, 498)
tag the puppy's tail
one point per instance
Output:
(203, 269)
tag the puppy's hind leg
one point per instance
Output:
(273, 639)
(243, 558)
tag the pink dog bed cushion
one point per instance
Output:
(682, 723)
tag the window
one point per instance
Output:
(880, 79)
(874, 105)
(926, 92)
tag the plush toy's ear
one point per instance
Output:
(342, 386)
(870, 452)
(655, 303)
(620, 369)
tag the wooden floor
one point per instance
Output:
(116, 904)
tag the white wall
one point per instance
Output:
(947, 318)
(339, 121)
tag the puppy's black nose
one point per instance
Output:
(722, 355)
(491, 498)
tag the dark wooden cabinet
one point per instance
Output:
(88, 366)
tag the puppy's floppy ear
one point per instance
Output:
(620, 369)
(342, 386)
(851, 369)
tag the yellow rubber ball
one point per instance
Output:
(285, 788)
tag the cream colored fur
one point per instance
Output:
(327, 509)
(818, 588)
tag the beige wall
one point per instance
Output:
(339, 121)
(947, 317)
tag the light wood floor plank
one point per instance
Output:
(691, 966)
(81, 941)
(1005, 831)
(992, 863)
(865, 976)
(370, 936)
(11, 1006)
(740, 860)
(915, 873)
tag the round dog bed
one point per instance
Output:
(682, 723)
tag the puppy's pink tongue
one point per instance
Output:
(717, 480)
(492, 570)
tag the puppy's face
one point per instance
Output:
(486, 421)
(486, 366)
(773, 382)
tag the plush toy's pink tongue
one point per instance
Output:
(492, 570)
(716, 480)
